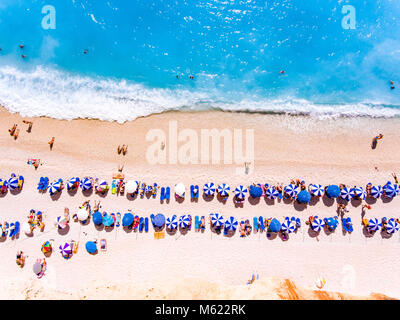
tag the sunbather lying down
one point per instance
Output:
(20, 259)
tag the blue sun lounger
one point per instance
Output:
(146, 224)
(141, 224)
(261, 222)
(196, 223)
(162, 194)
(255, 223)
(194, 191)
(167, 193)
(16, 229)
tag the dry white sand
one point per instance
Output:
(200, 265)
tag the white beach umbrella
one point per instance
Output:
(292, 190)
(61, 222)
(392, 226)
(391, 190)
(223, 189)
(65, 249)
(376, 191)
(272, 193)
(180, 189)
(217, 220)
(317, 224)
(240, 192)
(231, 224)
(54, 187)
(359, 192)
(374, 224)
(346, 193)
(288, 226)
(86, 184)
(172, 222)
(71, 182)
(317, 190)
(82, 214)
(184, 221)
(209, 189)
(131, 186)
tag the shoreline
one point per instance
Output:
(319, 151)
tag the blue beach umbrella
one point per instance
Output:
(304, 196)
(71, 183)
(12, 183)
(91, 247)
(108, 220)
(231, 224)
(346, 193)
(333, 191)
(391, 190)
(172, 222)
(209, 189)
(240, 192)
(272, 193)
(359, 192)
(158, 220)
(86, 184)
(255, 192)
(317, 225)
(332, 223)
(376, 191)
(374, 224)
(291, 190)
(223, 189)
(54, 187)
(392, 226)
(217, 220)
(97, 218)
(184, 221)
(288, 226)
(275, 226)
(317, 190)
(127, 220)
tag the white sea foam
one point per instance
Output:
(57, 94)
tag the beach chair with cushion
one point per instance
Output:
(167, 193)
(40, 184)
(155, 187)
(192, 191)
(162, 194)
(11, 230)
(141, 224)
(196, 192)
(255, 223)
(146, 224)
(196, 223)
(261, 223)
(16, 229)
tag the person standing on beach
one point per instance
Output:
(375, 140)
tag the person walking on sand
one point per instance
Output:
(395, 178)
(29, 123)
(375, 140)
(51, 143)
(12, 130)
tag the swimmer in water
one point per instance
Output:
(191, 77)
(85, 51)
(392, 85)
(282, 72)
(23, 56)
(21, 46)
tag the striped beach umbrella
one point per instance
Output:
(317, 190)
(172, 222)
(272, 193)
(391, 190)
(376, 191)
(102, 185)
(317, 225)
(346, 193)
(359, 192)
(71, 183)
(223, 189)
(46, 247)
(231, 224)
(288, 226)
(217, 220)
(392, 226)
(374, 224)
(209, 189)
(240, 192)
(54, 187)
(61, 222)
(86, 184)
(292, 190)
(184, 221)
(65, 249)
(12, 183)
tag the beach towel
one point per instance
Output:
(162, 194)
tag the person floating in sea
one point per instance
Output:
(177, 76)
(23, 56)
(85, 51)
(21, 46)
(375, 140)
(392, 85)
(191, 77)
(282, 72)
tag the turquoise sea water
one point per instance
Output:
(235, 51)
